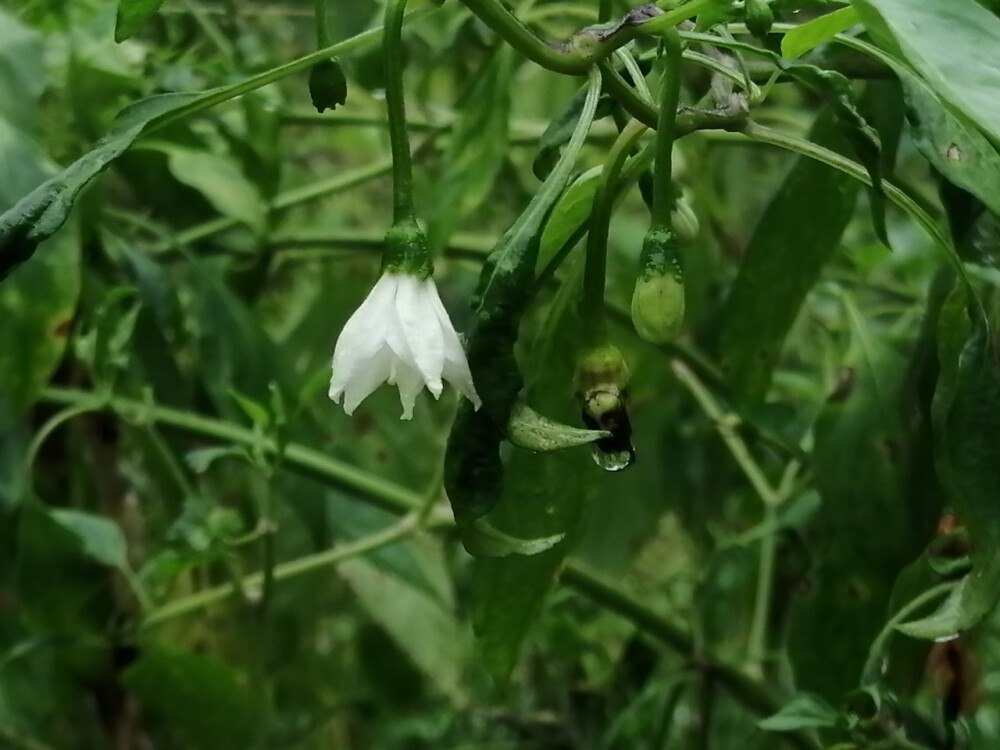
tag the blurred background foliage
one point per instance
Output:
(165, 429)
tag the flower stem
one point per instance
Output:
(666, 131)
(597, 238)
(399, 140)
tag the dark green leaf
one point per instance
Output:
(967, 414)
(953, 146)
(327, 85)
(40, 213)
(796, 236)
(477, 148)
(861, 460)
(199, 699)
(559, 130)
(132, 14)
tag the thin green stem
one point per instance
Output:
(669, 99)
(381, 492)
(297, 567)
(395, 104)
(726, 424)
(211, 98)
(751, 693)
(284, 201)
(321, 9)
(873, 664)
(757, 640)
(595, 269)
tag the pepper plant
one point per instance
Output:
(706, 296)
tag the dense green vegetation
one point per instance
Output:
(713, 463)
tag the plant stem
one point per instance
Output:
(299, 566)
(670, 89)
(564, 58)
(753, 694)
(873, 667)
(395, 104)
(725, 424)
(595, 269)
(223, 94)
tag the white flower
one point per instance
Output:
(402, 335)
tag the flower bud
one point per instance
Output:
(658, 297)
(759, 17)
(601, 382)
(684, 222)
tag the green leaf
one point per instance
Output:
(804, 711)
(559, 130)
(101, 539)
(132, 14)
(953, 146)
(22, 71)
(61, 574)
(811, 34)
(477, 148)
(529, 429)
(798, 233)
(967, 408)
(217, 178)
(569, 214)
(951, 44)
(862, 460)
(424, 628)
(199, 699)
(40, 213)
(327, 85)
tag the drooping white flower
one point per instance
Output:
(401, 334)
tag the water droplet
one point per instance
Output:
(946, 638)
(614, 460)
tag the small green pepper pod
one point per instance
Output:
(658, 298)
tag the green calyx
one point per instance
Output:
(658, 297)
(406, 250)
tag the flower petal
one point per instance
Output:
(456, 365)
(358, 357)
(375, 371)
(410, 382)
(420, 327)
